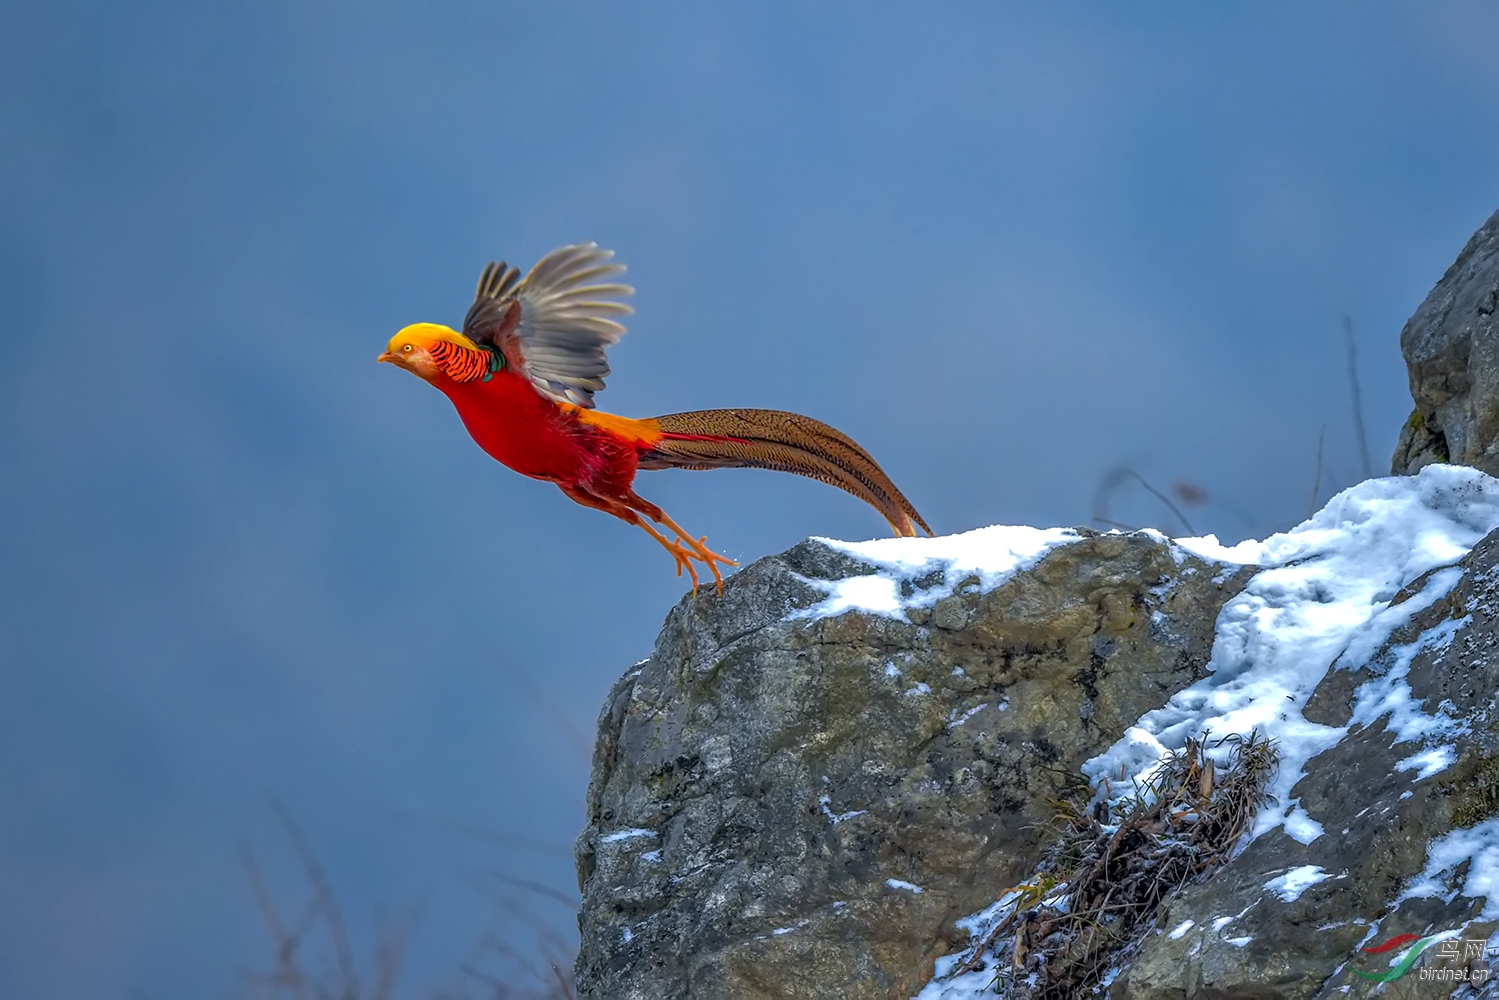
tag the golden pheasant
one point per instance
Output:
(522, 374)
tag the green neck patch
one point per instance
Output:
(496, 362)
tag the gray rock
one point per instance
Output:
(793, 805)
(1451, 348)
(1378, 821)
(785, 807)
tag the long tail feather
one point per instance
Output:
(784, 442)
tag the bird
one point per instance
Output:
(522, 372)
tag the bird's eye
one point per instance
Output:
(407, 348)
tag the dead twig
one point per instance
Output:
(1358, 406)
(321, 919)
(1311, 507)
(1110, 483)
(288, 971)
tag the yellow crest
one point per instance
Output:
(424, 335)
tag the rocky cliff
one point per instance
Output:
(930, 766)
(1451, 348)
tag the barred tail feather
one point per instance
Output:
(783, 442)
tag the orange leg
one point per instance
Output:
(681, 554)
(709, 557)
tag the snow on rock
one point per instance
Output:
(975, 985)
(1322, 599)
(1293, 883)
(992, 554)
(1480, 846)
(1322, 596)
(631, 834)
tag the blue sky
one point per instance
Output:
(1006, 247)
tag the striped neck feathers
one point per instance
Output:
(464, 364)
(454, 354)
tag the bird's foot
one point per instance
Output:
(709, 558)
(684, 557)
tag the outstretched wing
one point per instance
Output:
(555, 324)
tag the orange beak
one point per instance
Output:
(387, 356)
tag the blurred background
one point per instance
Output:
(1011, 249)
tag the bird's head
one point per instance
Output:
(413, 348)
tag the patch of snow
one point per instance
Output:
(1321, 597)
(1477, 844)
(896, 883)
(1301, 828)
(651, 856)
(1390, 694)
(892, 671)
(1208, 547)
(1428, 762)
(826, 802)
(628, 935)
(1293, 883)
(1221, 922)
(631, 834)
(777, 932)
(920, 688)
(1181, 929)
(1238, 942)
(954, 719)
(992, 554)
(968, 986)
(981, 923)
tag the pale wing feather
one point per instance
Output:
(565, 323)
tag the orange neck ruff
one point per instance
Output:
(462, 364)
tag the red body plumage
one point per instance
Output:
(537, 437)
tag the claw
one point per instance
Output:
(684, 549)
(710, 559)
(679, 548)
(681, 554)
(684, 560)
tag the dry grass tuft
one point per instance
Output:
(313, 955)
(1102, 883)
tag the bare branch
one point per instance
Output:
(1358, 406)
(571, 902)
(390, 956)
(492, 970)
(338, 931)
(1109, 484)
(287, 972)
(484, 834)
(1317, 480)
(1167, 501)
